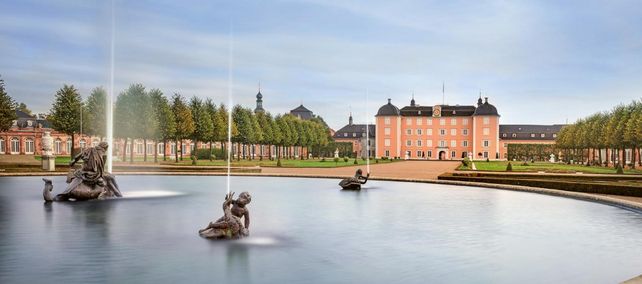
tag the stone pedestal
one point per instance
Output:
(49, 163)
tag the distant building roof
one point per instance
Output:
(355, 131)
(302, 112)
(388, 109)
(485, 108)
(529, 131)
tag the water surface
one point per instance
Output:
(308, 231)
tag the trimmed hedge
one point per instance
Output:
(567, 185)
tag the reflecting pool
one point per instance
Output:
(308, 231)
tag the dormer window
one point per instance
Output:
(345, 134)
(514, 135)
(532, 135)
(15, 123)
(503, 134)
(354, 134)
(29, 123)
(543, 135)
(554, 135)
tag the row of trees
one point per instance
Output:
(149, 115)
(524, 152)
(611, 132)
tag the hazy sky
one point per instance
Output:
(537, 61)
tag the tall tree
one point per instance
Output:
(203, 128)
(23, 108)
(123, 121)
(95, 116)
(217, 124)
(65, 112)
(7, 109)
(183, 120)
(165, 118)
(144, 116)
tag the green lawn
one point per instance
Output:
(294, 163)
(500, 166)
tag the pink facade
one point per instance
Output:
(440, 132)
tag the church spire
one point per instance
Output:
(412, 101)
(259, 101)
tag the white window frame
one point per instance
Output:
(453, 132)
(386, 120)
(15, 145)
(30, 146)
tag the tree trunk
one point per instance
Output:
(131, 151)
(632, 157)
(238, 151)
(599, 152)
(210, 151)
(73, 145)
(155, 152)
(145, 150)
(176, 151)
(164, 149)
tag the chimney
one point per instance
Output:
(486, 100)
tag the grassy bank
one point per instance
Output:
(292, 163)
(500, 166)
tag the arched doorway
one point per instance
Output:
(442, 155)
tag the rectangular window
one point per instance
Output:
(453, 143)
(442, 132)
(442, 121)
(442, 143)
(453, 121)
(386, 131)
(486, 120)
(386, 142)
(419, 131)
(420, 154)
(464, 121)
(150, 148)
(408, 121)
(161, 149)
(464, 143)
(429, 121)
(464, 132)
(453, 154)
(429, 143)
(387, 153)
(485, 155)
(386, 120)
(172, 149)
(486, 143)
(429, 132)
(453, 132)
(429, 154)
(408, 143)
(486, 131)
(408, 131)
(419, 121)
(418, 143)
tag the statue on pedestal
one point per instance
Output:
(48, 158)
(91, 181)
(354, 183)
(230, 226)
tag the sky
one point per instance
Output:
(539, 62)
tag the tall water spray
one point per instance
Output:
(367, 136)
(230, 106)
(110, 96)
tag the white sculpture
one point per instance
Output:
(552, 159)
(48, 158)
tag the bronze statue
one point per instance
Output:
(46, 193)
(230, 226)
(90, 181)
(355, 182)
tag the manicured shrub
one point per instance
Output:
(323, 159)
(336, 160)
(487, 160)
(509, 167)
(384, 158)
(345, 159)
(355, 162)
(278, 163)
(465, 162)
(619, 170)
(376, 161)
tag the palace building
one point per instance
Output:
(447, 132)
(359, 137)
